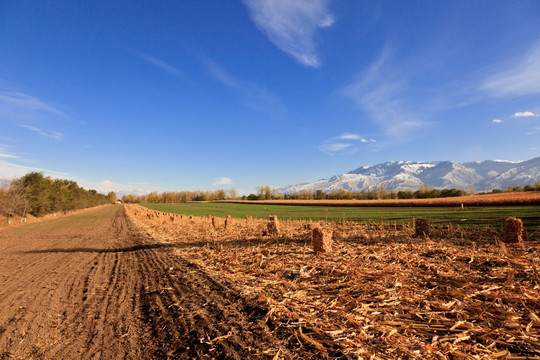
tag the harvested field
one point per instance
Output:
(93, 286)
(380, 294)
(124, 282)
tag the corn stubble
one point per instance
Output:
(381, 292)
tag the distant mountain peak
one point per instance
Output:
(410, 175)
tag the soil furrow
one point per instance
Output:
(93, 286)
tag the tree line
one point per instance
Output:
(267, 193)
(424, 192)
(38, 195)
(181, 196)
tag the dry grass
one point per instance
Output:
(28, 219)
(381, 293)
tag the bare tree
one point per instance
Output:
(14, 198)
(232, 194)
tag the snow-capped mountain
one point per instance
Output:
(410, 175)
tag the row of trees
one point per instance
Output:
(39, 195)
(517, 188)
(181, 196)
(266, 193)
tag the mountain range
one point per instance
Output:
(410, 175)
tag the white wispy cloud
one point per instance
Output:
(346, 143)
(23, 109)
(334, 147)
(349, 136)
(223, 181)
(162, 64)
(49, 134)
(524, 114)
(23, 101)
(521, 77)
(106, 186)
(253, 96)
(291, 25)
(382, 91)
(497, 121)
(10, 169)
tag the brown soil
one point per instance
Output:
(93, 286)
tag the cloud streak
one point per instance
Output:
(223, 181)
(49, 134)
(346, 143)
(524, 114)
(23, 109)
(382, 91)
(291, 25)
(106, 186)
(253, 96)
(24, 101)
(521, 78)
(10, 169)
(162, 64)
(349, 136)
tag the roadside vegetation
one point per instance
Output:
(38, 195)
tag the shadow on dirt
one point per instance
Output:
(196, 244)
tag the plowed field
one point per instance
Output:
(93, 286)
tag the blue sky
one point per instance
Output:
(138, 96)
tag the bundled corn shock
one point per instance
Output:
(421, 227)
(322, 240)
(513, 230)
(381, 294)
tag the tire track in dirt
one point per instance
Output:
(92, 286)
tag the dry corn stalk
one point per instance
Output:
(228, 222)
(394, 292)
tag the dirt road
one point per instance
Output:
(92, 286)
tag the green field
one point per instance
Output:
(492, 216)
